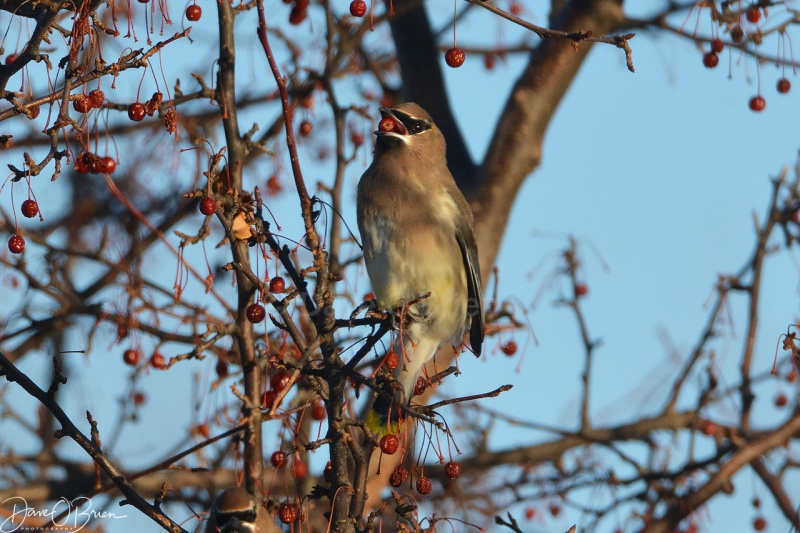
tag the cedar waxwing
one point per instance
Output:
(418, 238)
(236, 510)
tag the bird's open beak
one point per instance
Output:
(399, 129)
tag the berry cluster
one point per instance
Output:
(88, 162)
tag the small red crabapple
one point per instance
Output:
(399, 475)
(10, 58)
(509, 348)
(424, 485)
(756, 502)
(194, 12)
(29, 208)
(318, 411)
(530, 513)
(139, 398)
(757, 103)
(82, 104)
(388, 124)
(358, 8)
(760, 523)
(306, 128)
(452, 469)
(781, 400)
(515, 9)
(96, 97)
(279, 381)
(16, 244)
(392, 360)
(737, 34)
(489, 61)
(554, 509)
(268, 399)
(278, 459)
(256, 313)
(297, 15)
(420, 387)
(581, 289)
(753, 15)
(389, 444)
(157, 360)
(288, 513)
(277, 284)
(273, 185)
(784, 85)
(204, 430)
(208, 206)
(454, 57)
(108, 163)
(131, 357)
(221, 368)
(709, 428)
(717, 45)
(136, 111)
(300, 469)
(710, 59)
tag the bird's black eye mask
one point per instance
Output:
(246, 515)
(415, 126)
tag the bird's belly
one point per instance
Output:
(406, 267)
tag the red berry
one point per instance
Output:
(96, 97)
(277, 284)
(710, 59)
(306, 128)
(136, 111)
(509, 348)
(388, 124)
(399, 474)
(753, 15)
(278, 459)
(358, 8)
(82, 104)
(208, 206)
(203, 430)
(515, 9)
(221, 368)
(273, 185)
(581, 289)
(131, 357)
(288, 513)
(318, 411)
(454, 57)
(530, 513)
(424, 485)
(420, 387)
(757, 103)
(452, 469)
(157, 360)
(139, 398)
(29, 208)
(194, 12)
(554, 509)
(737, 34)
(10, 58)
(392, 360)
(717, 45)
(16, 244)
(297, 15)
(268, 399)
(784, 85)
(389, 444)
(256, 313)
(279, 381)
(300, 469)
(489, 61)
(760, 523)
(709, 428)
(108, 164)
(781, 400)
(356, 137)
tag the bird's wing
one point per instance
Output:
(465, 236)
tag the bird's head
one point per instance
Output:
(235, 510)
(409, 126)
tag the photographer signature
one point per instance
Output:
(73, 520)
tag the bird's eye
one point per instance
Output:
(417, 127)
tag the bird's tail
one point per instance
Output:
(386, 415)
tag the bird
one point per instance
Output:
(418, 242)
(236, 510)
